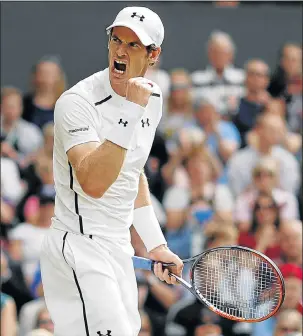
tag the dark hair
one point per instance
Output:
(255, 223)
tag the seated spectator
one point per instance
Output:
(160, 77)
(158, 157)
(48, 83)
(290, 64)
(241, 164)
(221, 81)
(293, 277)
(255, 99)
(9, 325)
(222, 137)
(44, 320)
(264, 181)
(191, 314)
(289, 322)
(290, 141)
(263, 232)
(290, 241)
(26, 238)
(20, 136)
(189, 140)
(179, 105)
(202, 196)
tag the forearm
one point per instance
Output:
(100, 168)
(163, 293)
(143, 196)
(169, 169)
(215, 165)
(224, 149)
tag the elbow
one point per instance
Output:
(94, 191)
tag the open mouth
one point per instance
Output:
(119, 66)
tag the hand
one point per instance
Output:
(138, 90)
(163, 254)
(8, 150)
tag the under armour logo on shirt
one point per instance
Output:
(142, 17)
(145, 122)
(109, 333)
(123, 122)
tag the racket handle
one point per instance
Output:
(147, 264)
(143, 263)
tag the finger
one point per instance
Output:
(173, 280)
(159, 271)
(166, 276)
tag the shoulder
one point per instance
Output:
(235, 75)
(18, 232)
(239, 157)
(285, 155)
(28, 126)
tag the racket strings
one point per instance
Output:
(238, 283)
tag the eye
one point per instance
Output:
(115, 39)
(134, 45)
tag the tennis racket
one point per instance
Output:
(235, 282)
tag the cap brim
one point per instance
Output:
(144, 38)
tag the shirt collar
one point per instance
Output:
(109, 90)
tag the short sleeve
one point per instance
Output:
(74, 121)
(18, 233)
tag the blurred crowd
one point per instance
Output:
(224, 169)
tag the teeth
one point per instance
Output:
(120, 62)
(118, 71)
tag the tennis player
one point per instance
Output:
(104, 130)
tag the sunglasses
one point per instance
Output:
(264, 207)
(259, 174)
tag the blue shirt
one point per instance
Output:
(179, 241)
(264, 328)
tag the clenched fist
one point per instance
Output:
(138, 90)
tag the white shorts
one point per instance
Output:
(89, 289)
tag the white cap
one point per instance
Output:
(144, 22)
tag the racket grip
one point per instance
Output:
(143, 263)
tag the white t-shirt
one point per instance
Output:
(31, 237)
(88, 112)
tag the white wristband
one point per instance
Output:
(148, 227)
(125, 123)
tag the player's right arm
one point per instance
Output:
(97, 165)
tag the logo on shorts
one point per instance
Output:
(109, 333)
(124, 123)
(142, 17)
(145, 122)
(81, 129)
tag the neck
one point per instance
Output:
(120, 89)
(219, 71)
(45, 93)
(8, 124)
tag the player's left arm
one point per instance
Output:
(148, 228)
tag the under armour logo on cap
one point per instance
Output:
(145, 122)
(123, 122)
(109, 333)
(142, 17)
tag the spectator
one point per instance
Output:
(21, 137)
(290, 141)
(179, 105)
(44, 321)
(293, 286)
(255, 99)
(203, 196)
(240, 166)
(160, 77)
(48, 83)
(263, 233)
(222, 137)
(9, 324)
(290, 234)
(289, 321)
(208, 330)
(26, 238)
(189, 140)
(290, 64)
(221, 81)
(264, 181)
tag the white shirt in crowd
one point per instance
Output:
(87, 113)
(241, 165)
(31, 238)
(285, 200)
(208, 85)
(179, 198)
(12, 188)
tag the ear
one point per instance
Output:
(154, 56)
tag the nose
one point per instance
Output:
(121, 50)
